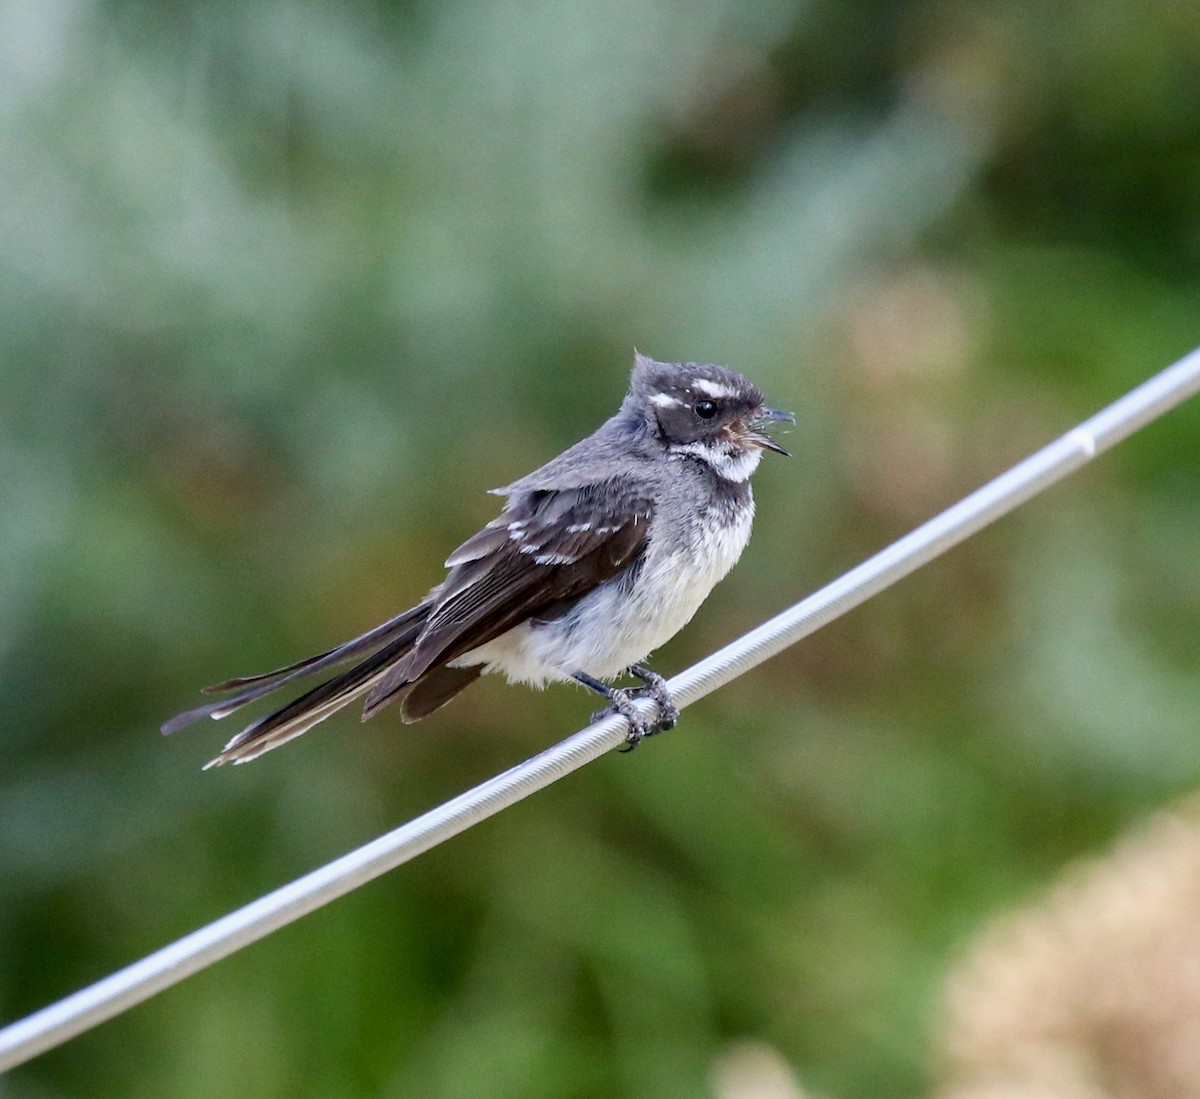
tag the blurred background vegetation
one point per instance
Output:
(285, 286)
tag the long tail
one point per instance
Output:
(385, 646)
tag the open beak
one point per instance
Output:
(766, 416)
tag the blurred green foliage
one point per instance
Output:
(285, 286)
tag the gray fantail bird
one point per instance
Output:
(597, 558)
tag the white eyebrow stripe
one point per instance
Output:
(665, 400)
(713, 389)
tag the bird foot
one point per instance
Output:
(623, 701)
(656, 688)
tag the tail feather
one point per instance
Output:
(386, 647)
(431, 692)
(380, 635)
(325, 698)
(248, 744)
(263, 735)
(426, 692)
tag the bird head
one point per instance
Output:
(706, 412)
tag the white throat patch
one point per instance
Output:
(731, 464)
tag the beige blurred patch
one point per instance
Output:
(1093, 993)
(749, 1069)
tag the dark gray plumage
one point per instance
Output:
(597, 558)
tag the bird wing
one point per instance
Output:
(549, 548)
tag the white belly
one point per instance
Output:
(613, 627)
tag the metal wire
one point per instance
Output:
(61, 1021)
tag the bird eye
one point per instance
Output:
(706, 410)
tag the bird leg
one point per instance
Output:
(619, 701)
(622, 701)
